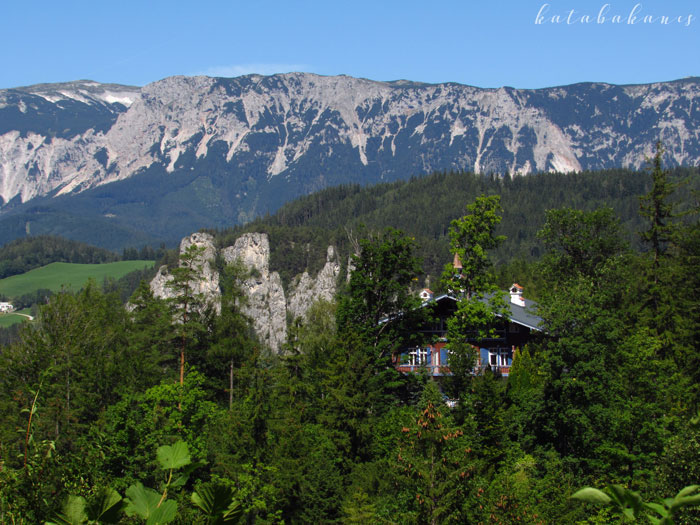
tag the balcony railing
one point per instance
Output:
(432, 370)
(437, 371)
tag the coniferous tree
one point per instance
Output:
(662, 289)
(150, 338)
(187, 302)
(658, 209)
(434, 461)
(233, 338)
(374, 321)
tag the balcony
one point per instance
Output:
(431, 370)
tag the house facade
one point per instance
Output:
(6, 308)
(495, 352)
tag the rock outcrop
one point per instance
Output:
(305, 289)
(267, 304)
(207, 285)
(159, 284)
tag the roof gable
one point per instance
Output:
(523, 315)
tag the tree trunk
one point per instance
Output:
(230, 387)
(182, 375)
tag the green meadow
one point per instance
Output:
(54, 276)
(14, 318)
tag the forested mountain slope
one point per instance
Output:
(424, 207)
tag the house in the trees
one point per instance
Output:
(6, 308)
(426, 294)
(496, 352)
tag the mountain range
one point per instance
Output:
(120, 165)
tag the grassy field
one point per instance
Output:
(73, 276)
(14, 318)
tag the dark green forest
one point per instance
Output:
(168, 413)
(21, 255)
(423, 208)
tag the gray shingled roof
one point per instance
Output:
(522, 315)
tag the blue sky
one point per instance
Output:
(482, 43)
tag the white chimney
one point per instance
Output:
(516, 295)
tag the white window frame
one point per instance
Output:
(418, 357)
(498, 357)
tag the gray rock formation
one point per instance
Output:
(266, 304)
(159, 284)
(266, 301)
(208, 283)
(305, 289)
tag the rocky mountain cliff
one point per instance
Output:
(268, 305)
(232, 148)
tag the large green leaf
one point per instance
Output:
(106, 506)
(217, 503)
(688, 501)
(628, 513)
(234, 513)
(618, 494)
(656, 507)
(73, 512)
(163, 514)
(591, 495)
(184, 475)
(141, 501)
(687, 490)
(174, 457)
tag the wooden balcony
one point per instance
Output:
(432, 370)
(502, 369)
(439, 371)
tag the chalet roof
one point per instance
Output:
(522, 315)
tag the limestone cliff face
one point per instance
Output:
(268, 305)
(305, 290)
(208, 283)
(193, 152)
(159, 284)
(266, 302)
(66, 138)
